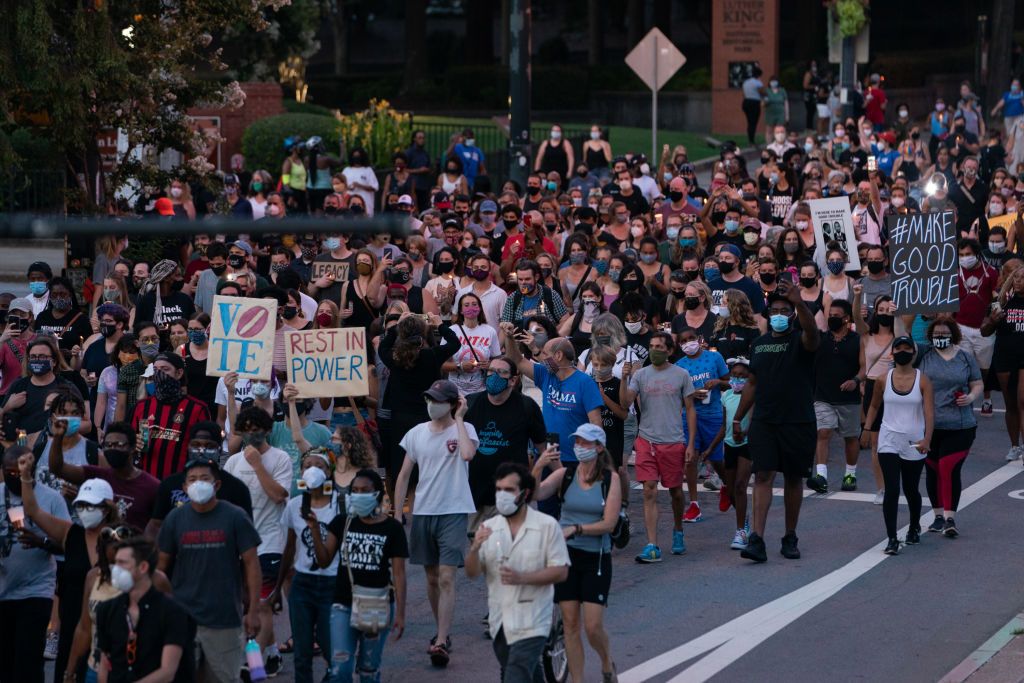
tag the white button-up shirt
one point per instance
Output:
(523, 611)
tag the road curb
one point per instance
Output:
(985, 653)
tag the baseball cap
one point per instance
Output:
(903, 341)
(591, 432)
(230, 179)
(20, 304)
(488, 206)
(441, 200)
(731, 249)
(94, 492)
(405, 200)
(40, 267)
(752, 223)
(172, 358)
(442, 390)
(202, 461)
(738, 360)
(164, 207)
(244, 246)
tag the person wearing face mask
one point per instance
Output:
(470, 155)
(697, 315)
(39, 275)
(782, 433)
(522, 553)
(968, 194)
(166, 417)
(532, 298)
(451, 179)
(36, 526)
(578, 328)
(161, 299)
(209, 577)
(1004, 321)
(978, 283)
(578, 270)
(737, 451)
(480, 282)
(555, 154)
(210, 278)
(904, 438)
(326, 281)
(267, 473)
(62, 317)
(160, 636)
(312, 587)
(995, 254)
(597, 154)
(442, 448)
(839, 375)
(876, 283)
(125, 352)
(625, 191)
(100, 347)
(956, 384)
(65, 428)
(679, 201)
(438, 296)
(361, 178)
(26, 397)
(366, 520)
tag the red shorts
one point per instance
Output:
(660, 462)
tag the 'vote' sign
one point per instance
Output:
(328, 363)
(242, 337)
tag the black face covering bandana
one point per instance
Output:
(168, 389)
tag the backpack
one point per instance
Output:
(620, 534)
(545, 294)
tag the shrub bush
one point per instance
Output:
(263, 140)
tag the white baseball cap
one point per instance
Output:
(94, 492)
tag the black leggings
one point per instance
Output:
(895, 468)
(945, 460)
(752, 108)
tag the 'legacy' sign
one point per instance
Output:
(242, 337)
(923, 263)
(328, 363)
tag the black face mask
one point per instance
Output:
(290, 312)
(903, 357)
(691, 302)
(117, 457)
(235, 261)
(675, 196)
(690, 275)
(444, 267)
(218, 270)
(717, 217)
(13, 483)
(766, 278)
(510, 224)
(835, 323)
(875, 267)
(629, 285)
(533, 190)
(399, 276)
(884, 319)
(808, 282)
(107, 330)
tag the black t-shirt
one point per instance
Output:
(70, 330)
(32, 416)
(650, 308)
(780, 201)
(613, 426)
(856, 159)
(835, 363)
(733, 341)
(505, 433)
(704, 331)
(634, 202)
(171, 494)
(637, 346)
(162, 621)
(785, 379)
(722, 236)
(404, 392)
(175, 305)
(368, 550)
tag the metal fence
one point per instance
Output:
(493, 141)
(38, 191)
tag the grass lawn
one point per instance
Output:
(623, 138)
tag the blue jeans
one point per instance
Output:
(345, 640)
(309, 610)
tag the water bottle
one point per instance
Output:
(254, 660)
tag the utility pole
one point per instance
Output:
(519, 79)
(847, 75)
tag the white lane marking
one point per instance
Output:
(1018, 494)
(739, 636)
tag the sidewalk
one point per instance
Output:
(1000, 659)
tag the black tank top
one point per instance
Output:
(401, 188)
(595, 158)
(555, 159)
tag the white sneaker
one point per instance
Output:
(1013, 453)
(739, 540)
(879, 497)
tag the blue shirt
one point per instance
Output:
(1013, 103)
(472, 158)
(708, 365)
(566, 404)
(885, 160)
(419, 158)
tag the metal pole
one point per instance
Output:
(519, 91)
(654, 108)
(847, 69)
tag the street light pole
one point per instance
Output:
(519, 91)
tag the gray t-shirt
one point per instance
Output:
(949, 377)
(872, 290)
(207, 574)
(661, 394)
(27, 573)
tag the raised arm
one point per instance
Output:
(524, 365)
(54, 527)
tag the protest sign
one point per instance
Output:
(242, 337)
(1007, 222)
(338, 270)
(327, 363)
(923, 262)
(833, 222)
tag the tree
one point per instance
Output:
(290, 32)
(72, 71)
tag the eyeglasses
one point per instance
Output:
(115, 444)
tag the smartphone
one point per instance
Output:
(872, 163)
(390, 253)
(305, 508)
(10, 427)
(553, 439)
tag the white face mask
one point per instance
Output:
(801, 225)
(634, 328)
(91, 518)
(636, 231)
(200, 492)
(274, 210)
(436, 410)
(898, 201)
(595, 135)
(506, 503)
(314, 477)
(176, 192)
(995, 209)
(121, 579)
(556, 135)
(780, 137)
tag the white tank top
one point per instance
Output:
(903, 420)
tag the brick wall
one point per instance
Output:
(261, 100)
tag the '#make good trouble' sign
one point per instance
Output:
(242, 337)
(923, 263)
(328, 363)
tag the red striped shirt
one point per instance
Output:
(169, 424)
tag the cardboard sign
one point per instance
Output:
(833, 222)
(923, 262)
(337, 270)
(242, 337)
(328, 363)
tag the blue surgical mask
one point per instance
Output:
(332, 243)
(74, 423)
(260, 390)
(687, 242)
(361, 504)
(808, 146)
(601, 266)
(577, 257)
(150, 389)
(732, 227)
(614, 274)
(496, 384)
(711, 274)
(779, 323)
(648, 258)
(667, 176)
(672, 233)
(37, 288)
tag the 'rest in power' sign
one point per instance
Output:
(328, 363)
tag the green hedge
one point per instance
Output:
(263, 141)
(293, 107)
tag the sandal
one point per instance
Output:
(287, 647)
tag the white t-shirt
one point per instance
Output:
(266, 515)
(305, 557)
(259, 209)
(484, 340)
(444, 476)
(243, 390)
(365, 176)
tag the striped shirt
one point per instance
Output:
(165, 450)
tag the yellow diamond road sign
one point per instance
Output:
(655, 59)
